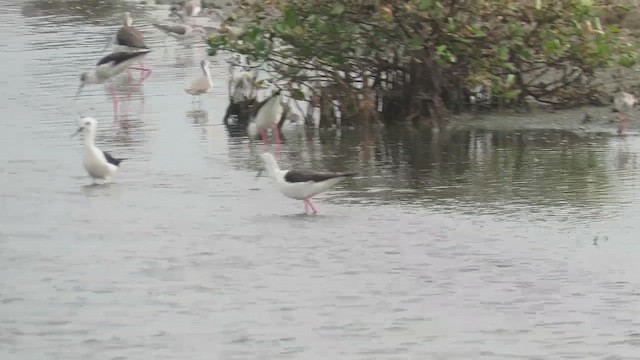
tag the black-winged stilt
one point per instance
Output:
(300, 184)
(99, 164)
(267, 115)
(201, 85)
(623, 103)
(130, 39)
(108, 67)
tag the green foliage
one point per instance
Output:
(545, 49)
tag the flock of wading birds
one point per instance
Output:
(129, 49)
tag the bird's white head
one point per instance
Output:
(86, 78)
(87, 126)
(127, 20)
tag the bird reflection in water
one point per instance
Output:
(126, 91)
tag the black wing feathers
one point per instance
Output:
(119, 57)
(296, 176)
(111, 159)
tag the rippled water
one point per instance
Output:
(468, 245)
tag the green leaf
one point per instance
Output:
(503, 53)
(338, 9)
(290, 18)
(425, 5)
(511, 94)
(297, 94)
(417, 43)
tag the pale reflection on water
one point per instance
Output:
(469, 244)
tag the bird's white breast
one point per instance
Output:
(96, 165)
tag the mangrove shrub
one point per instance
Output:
(420, 59)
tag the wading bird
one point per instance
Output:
(300, 184)
(129, 39)
(108, 67)
(201, 85)
(98, 164)
(623, 103)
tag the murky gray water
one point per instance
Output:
(471, 245)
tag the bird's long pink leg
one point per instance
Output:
(306, 207)
(308, 201)
(277, 131)
(263, 132)
(115, 103)
(622, 123)
(144, 70)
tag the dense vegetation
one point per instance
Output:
(421, 59)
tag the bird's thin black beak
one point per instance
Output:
(77, 131)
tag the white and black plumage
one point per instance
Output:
(300, 184)
(623, 103)
(130, 39)
(108, 67)
(267, 115)
(98, 164)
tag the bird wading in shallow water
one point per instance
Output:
(130, 39)
(98, 164)
(201, 85)
(300, 184)
(267, 114)
(624, 102)
(108, 67)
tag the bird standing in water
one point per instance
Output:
(98, 164)
(623, 103)
(300, 184)
(130, 39)
(201, 85)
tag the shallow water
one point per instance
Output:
(474, 244)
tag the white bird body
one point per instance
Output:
(97, 163)
(301, 185)
(110, 66)
(269, 114)
(242, 86)
(193, 7)
(203, 84)
(623, 103)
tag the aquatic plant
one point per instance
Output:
(421, 59)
